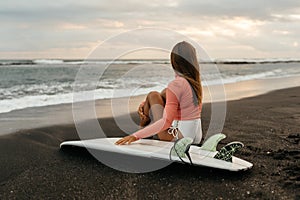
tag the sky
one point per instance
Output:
(71, 29)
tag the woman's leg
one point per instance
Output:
(154, 108)
(155, 98)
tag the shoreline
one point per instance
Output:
(35, 117)
(33, 166)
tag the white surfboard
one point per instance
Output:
(156, 149)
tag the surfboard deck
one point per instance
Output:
(157, 149)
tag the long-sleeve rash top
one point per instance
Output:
(179, 106)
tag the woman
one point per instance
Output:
(175, 112)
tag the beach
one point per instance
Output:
(33, 166)
(72, 71)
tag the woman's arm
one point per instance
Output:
(164, 123)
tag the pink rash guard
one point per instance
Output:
(179, 106)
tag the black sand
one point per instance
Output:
(33, 167)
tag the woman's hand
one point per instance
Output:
(145, 120)
(141, 109)
(128, 139)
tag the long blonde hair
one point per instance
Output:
(184, 61)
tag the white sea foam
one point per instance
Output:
(48, 61)
(8, 105)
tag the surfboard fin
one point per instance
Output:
(227, 151)
(211, 143)
(181, 149)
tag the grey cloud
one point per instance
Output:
(257, 9)
(43, 17)
(36, 11)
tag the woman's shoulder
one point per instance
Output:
(179, 80)
(177, 83)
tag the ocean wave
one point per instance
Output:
(278, 73)
(8, 105)
(134, 62)
(23, 96)
(20, 99)
(255, 61)
(79, 62)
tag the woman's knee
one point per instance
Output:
(154, 95)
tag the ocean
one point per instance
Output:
(31, 83)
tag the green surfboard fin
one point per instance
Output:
(228, 150)
(211, 143)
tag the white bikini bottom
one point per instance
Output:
(187, 128)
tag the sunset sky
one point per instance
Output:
(225, 28)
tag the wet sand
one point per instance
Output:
(33, 166)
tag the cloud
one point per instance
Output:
(263, 26)
(255, 9)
